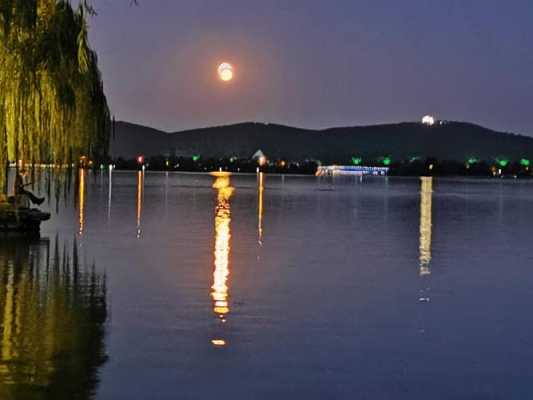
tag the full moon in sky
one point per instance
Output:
(225, 72)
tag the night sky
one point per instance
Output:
(317, 63)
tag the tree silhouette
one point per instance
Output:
(52, 104)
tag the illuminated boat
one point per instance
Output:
(347, 170)
(17, 216)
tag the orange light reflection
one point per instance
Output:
(219, 292)
(261, 189)
(81, 199)
(140, 197)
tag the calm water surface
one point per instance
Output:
(190, 286)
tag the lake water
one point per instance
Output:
(191, 286)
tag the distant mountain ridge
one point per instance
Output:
(445, 141)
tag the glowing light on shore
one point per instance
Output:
(357, 160)
(428, 120)
(502, 162)
(225, 72)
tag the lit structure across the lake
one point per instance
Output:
(428, 120)
(219, 289)
(426, 195)
(218, 342)
(357, 170)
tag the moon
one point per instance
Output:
(225, 72)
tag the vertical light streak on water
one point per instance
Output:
(109, 193)
(7, 332)
(166, 192)
(426, 194)
(260, 190)
(219, 289)
(140, 198)
(81, 198)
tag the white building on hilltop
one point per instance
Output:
(428, 120)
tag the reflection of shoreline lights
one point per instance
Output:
(82, 201)
(261, 189)
(219, 291)
(109, 192)
(426, 193)
(140, 196)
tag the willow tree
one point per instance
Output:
(52, 103)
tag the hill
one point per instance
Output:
(445, 141)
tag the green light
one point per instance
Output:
(472, 161)
(503, 162)
(414, 158)
(357, 160)
(196, 157)
(387, 161)
(524, 162)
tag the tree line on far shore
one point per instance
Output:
(411, 167)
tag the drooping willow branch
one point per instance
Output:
(52, 104)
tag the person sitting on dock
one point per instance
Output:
(20, 188)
